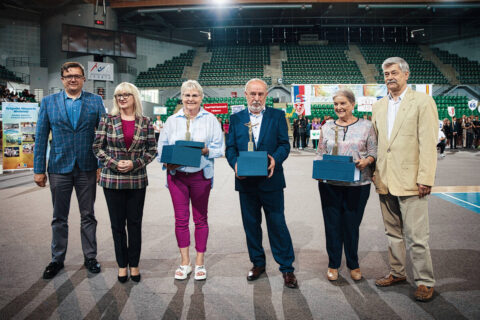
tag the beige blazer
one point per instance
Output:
(410, 155)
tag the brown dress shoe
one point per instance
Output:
(423, 293)
(255, 273)
(290, 280)
(356, 274)
(332, 274)
(388, 280)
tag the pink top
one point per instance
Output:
(226, 126)
(128, 127)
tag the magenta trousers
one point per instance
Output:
(186, 187)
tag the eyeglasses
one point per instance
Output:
(123, 96)
(188, 95)
(73, 76)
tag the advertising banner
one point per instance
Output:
(237, 108)
(365, 103)
(472, 104)
(100, 71)
(216, 108)
(159, 110)
(19, 124)
(314, 134)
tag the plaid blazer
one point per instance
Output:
(109, 147)
(69, 145)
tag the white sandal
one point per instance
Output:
(182, 272)
(200, 269)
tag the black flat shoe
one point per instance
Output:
(92, 265)
(123, 279)
(52, 269)
(136, 278)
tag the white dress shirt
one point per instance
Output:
(203, 128)
(256, 121)
(393, 107)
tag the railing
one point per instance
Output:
(23, 62)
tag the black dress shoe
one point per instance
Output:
(136, 278)
(255, 273)
(123, 279)
(92, 265)
(290, 280)
(52, 269)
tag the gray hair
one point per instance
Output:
(347, 93)
(191, 85)
(127, 87)
(396, 60)
(254, 80)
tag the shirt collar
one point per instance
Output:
(400, 98)
(256, 115)
(181, 113)
(65, 97)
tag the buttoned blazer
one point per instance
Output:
(109, 147)
(68, 145)
(273, 138)
(409, 156)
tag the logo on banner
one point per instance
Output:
(299, 94)
(451, 111)
(100, 71)
(472, 104)
(299, 108)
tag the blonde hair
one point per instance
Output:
(127, 87)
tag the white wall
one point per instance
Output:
(19, 38)
(468, 48)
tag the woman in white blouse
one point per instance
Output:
(192, 184)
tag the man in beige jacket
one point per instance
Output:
(406, 123)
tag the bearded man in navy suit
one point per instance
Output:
(71, 116)
(270, 133)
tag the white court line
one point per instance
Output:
(474, 205)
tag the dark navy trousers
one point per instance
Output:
(343, 208)
(280, 241)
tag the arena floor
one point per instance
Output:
(25, 235)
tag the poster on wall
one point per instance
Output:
(100, 71)
(19, 124)
(366, 93)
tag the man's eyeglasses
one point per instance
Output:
(123, 96)
(73, 76)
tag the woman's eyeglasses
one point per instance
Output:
(123, 96)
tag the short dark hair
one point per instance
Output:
(71, 64)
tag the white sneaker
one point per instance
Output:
(182, 272)
(200, 273)
(442, 155)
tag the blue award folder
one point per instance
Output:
(251, 164)
(184, 153)
(336, 168)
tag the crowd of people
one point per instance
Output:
(10, 96)
(461, 132)
(398, 156)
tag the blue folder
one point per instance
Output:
(335, 168)
(252, 164)
(181, 155)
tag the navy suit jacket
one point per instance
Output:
(273, 139)
(69, 145)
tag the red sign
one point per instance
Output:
(216, 108)
(233, 94)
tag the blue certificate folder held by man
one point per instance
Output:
(252, 164)
(336, 168)
(184, 153)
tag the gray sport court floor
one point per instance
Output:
(74, 294)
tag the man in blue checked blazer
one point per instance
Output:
(269, 128)
(71, 116)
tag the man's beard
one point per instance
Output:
(255, 108)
